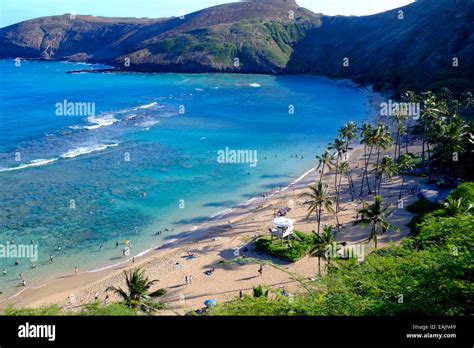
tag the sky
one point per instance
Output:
(14, 11)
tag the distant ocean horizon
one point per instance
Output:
(149, 156)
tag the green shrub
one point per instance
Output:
(54, 310)
(464, 191)
(94, 309)
(114, 309)
(296, 250)
(444, 233)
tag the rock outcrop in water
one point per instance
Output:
(426, 42)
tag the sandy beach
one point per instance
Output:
(224, 239)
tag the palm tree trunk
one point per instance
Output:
(396, 146)
(428, 166)
(377, 169)
(374, 232)
(319, 218)
(366, 174)
(363, 174)
(322, 173)
(380, 183)
(350, 183)
(337, 199)
(423, 143)
(401, 187)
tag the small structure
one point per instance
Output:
(284, 228)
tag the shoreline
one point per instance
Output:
(194, 234)
(63, 284)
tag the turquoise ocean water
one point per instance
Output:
(148, 159)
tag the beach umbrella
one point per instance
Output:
(210, 303)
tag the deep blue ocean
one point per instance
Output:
(148, 159)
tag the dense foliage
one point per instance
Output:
(290, 251)
(94, 309)
(428, 274)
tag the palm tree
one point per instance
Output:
(387, 168)
(345, 169)
(319, 199)
(138, 293)
(399, 119)
(318, 250)
(366, 133)
(325, 160)
(405, 163)
(376, 216)
(452, 140)
(433, 109)
(382, 140)
(339, 146)
(320, 244)
(348, 133)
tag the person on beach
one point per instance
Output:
(76, 271)
(101, 247)
(190, 279)
(241, 294)
(23, 282)
(116, 244)
(4, 271)
(260, 270)
(51, 260)
(133, 260)
(96, 297)
(186, 280)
